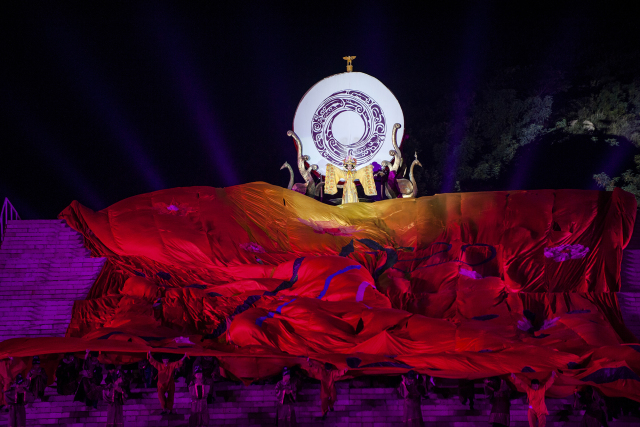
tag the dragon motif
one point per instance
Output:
(310, 187)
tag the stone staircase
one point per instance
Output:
(629, 295)
(44, 268)
(255, 406)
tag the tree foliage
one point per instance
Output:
(519, 106)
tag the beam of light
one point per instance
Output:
(75, 60)
(271, 62)
(471, 57)
(49, 151)
(190, 88)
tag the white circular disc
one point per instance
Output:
(348, 113)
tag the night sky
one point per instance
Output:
(103, 103)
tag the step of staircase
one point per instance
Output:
(629, 295)
(44, 268)
(238, 405)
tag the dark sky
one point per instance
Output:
(99, 103)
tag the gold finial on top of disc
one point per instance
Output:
(349, 59)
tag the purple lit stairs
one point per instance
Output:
(629, 295)
(44, 268)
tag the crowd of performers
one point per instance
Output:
(90, 381)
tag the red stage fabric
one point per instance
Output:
(464, 285)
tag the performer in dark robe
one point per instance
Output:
(286, 397)
(67, 375)
(595, 414)
(17, 397)
(198, 391)
(9, 369)
(327, 374)
(115, 397)
(37, 378)
(499, 394)
(211, 374)
(409, 390)
(166, 382)
(467, 392)
(146, 373)
(89, 390)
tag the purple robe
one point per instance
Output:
(412, 397)
(115, 399)
(17, 399)
(199, 410)
(286, 396)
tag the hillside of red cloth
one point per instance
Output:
(464, 285)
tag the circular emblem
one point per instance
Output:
(348, 113)
(353, 111)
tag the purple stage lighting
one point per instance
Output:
(75, 60)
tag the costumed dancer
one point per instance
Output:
(409, 390)
(9, 369)
(595, 414)
(67, 375)
(467, 392)
(327, 374)
(198, 391)
(499, 394)
(147, 373)
(166, 382)
(350, 175)
(37, 378)
(17, 397)
(89, 389)
(115, 397)
(286, 397)
(535, 393)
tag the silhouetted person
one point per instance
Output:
(499, 394)
(327, 374)
(286, 398)
(198, 391)
(467, 392)
(37, 378)
(535, 393)
(595, 414)
(67, 375)
(9, 369)
(166, 382)
(17, 397)
(410, 391)
(89, 390)
(115, 397)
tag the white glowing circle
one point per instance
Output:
(348, 127)
(348, 112)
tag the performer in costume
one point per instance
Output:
(67, 375)
(327, 374)
(499, 394)
(89, 390)
(166, 383)
(595, 414)
(37, 378)
(115, 397)
(286, 397)
(198, 391)
(349, 175)
(535, 393)
(410, 392)
(9, 369)
(17, 397)
(467, 392)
